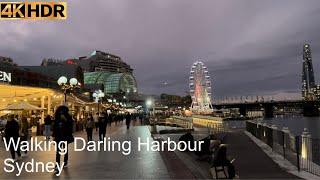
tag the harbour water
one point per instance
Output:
(296, 123)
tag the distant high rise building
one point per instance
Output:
(101, 61)
(309, 87)
(97, 61)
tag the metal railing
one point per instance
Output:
(215, 128)
(302, 151)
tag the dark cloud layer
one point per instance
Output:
(250, 47)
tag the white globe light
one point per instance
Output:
(149, 102)
(73, 81)
(62, 80)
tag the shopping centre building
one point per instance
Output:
(38, 86)
(19, 85)
(103, 71)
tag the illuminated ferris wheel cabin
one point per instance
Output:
(200, 89)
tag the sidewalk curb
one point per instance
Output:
(278, 159)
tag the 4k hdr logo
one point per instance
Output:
(33, 10)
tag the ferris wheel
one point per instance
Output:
(200, 89)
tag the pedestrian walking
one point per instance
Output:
(128, 120)
(47, 127)
(96, 120)
(89, 127)
(62, 131)
(141, 118)
(102, 127)
(12, 132)
(24, 131)
(109, 119)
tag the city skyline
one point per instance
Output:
(250, 48)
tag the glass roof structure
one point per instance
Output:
(112, 82)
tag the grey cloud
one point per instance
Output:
(250, 47)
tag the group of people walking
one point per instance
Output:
(15, 129)
(62, 130)
(61, 126)
(100, 122)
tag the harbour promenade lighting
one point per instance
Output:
(150, 104)
(66, 87)
(98, 94)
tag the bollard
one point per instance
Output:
(306, 149)
(286, 130)
(264, 130)
(285, 134)
(274, 135)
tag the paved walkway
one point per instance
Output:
(251, 161)
(102, 165)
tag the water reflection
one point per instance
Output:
(296, 123)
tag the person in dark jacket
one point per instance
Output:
(47, 126)
(141, 118)
(24, 131)
(89, 127)
(128, 120)
(62, 131)
(12, 132)
(102, 124)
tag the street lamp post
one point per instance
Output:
(150, 103)
(65, 86)
(125, 99)
(98, 94)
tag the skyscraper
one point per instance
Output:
(308, 82)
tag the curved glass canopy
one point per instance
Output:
(112, 82)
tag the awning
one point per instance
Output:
(21, 106)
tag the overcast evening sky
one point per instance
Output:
(250, 47)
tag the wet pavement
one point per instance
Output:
(101, 165)
(251, 161)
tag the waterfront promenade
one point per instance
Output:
(251, 161)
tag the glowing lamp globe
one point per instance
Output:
(149, 102)
(62, 80)
(73, 81)
(101, 94)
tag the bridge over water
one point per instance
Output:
(309, 108)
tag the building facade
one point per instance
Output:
(101, 61)
(55, 71)
(101, 70)
(23, 77)
(310, 91)
(97, 61)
